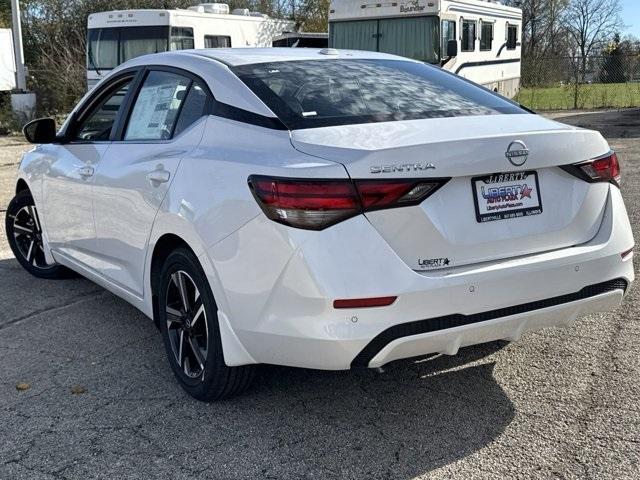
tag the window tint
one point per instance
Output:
(486, 36)
(157, 106)
(512, 37)
(192, 109)
(181, 38)
(217, 41)
(448, 33)
(468, 36)
(98, 125)
(316, 93)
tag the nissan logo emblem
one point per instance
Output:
(517, 153)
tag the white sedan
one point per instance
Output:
(320, 208)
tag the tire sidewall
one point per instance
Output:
(183, 259)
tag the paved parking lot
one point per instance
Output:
(559, 404)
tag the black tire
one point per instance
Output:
(199, 365)
(24, 234)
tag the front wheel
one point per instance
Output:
(188, 321)
(24, 234)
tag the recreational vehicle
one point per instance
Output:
(302, 40)
(476, 39)
(117, 36)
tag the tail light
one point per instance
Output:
(317, 204)
(603, 169)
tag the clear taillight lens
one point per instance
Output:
(318, 204)
(603, 169)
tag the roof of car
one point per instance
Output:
(245, 56)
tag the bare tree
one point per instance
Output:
(590, 23)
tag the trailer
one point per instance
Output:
(117, 36)
(476, 39)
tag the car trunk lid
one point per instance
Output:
(499, 201)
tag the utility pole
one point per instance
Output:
(23, 103)
(21, 80)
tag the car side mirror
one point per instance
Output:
(452, 48)
(41, 130)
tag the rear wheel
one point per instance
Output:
(24, 234)
(188, 321)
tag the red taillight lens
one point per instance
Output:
(378, 194)
(603, 169)
(318, 204)
(310, 204)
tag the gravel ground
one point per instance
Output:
(102, 402)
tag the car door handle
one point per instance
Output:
(159, 176)
(86, 171)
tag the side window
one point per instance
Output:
(512, 37)
(181, 38)
(448, 33)
(192, 109)
(486, 36)
(157, 106)
(468, 35)
(217, 41)
(98, 124)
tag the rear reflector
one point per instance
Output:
(603, 169)
(627, 254)
(364, 302)
(318, 204)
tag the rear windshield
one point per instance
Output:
(319, 93)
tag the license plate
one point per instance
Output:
(506, 195)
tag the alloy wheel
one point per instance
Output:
(28, 236)
(187, 324)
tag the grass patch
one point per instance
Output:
(590, 96)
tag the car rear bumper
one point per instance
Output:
(278, 297)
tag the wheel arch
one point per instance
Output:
(235, 354)
(21, 186)
(163, 247)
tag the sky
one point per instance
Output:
(631, 15)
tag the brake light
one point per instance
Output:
(317, 204)
(603, 169)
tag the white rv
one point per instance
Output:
(117, 36)
(476, 39)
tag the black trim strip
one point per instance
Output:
(457, 320)
(230, 112)
(486, 62)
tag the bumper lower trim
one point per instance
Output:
(458, 320)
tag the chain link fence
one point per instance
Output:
(565, 83)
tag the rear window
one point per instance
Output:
(318, 93)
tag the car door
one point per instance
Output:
(67, 184)
(134, 175)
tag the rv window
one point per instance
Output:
(217, 41)
(321, 93)
(136, 41)
(109, 47)
(486, 36)
(512, 37)
(102, 48)
(157, 106)
(468, 35)
(448, 33)
(181, 38)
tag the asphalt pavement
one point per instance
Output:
(86, 391)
